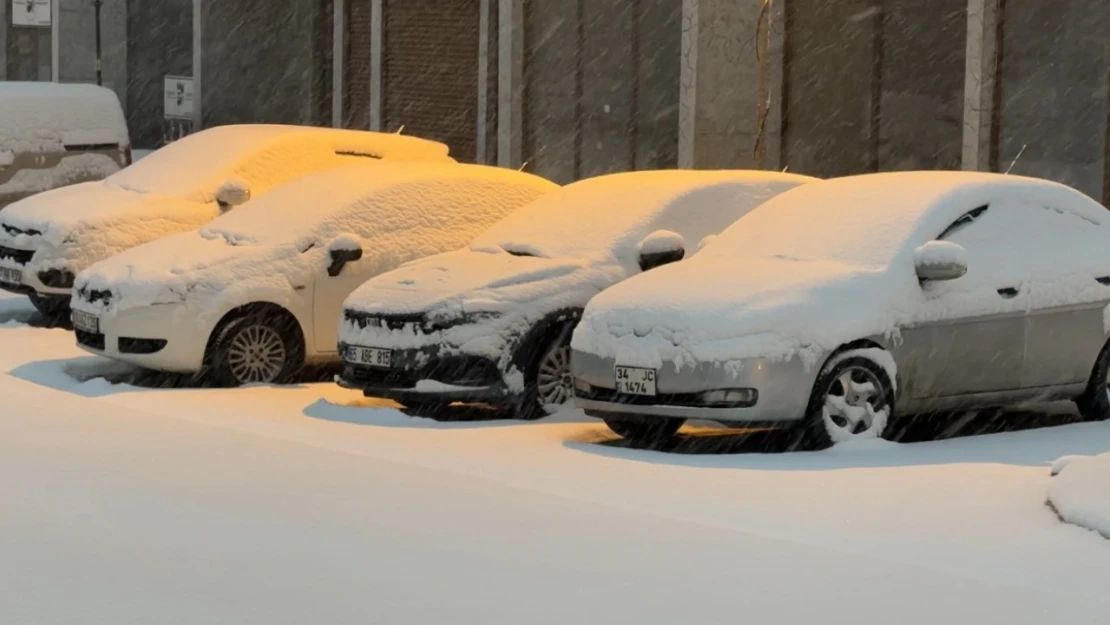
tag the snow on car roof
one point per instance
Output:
(318, 205)
(206, 159)
(866, 219)
(42, 116)
(610, 214)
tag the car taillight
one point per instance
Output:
(125, 152)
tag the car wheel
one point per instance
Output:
(853, 398)
(1094, 403)
(548, 384)
(55, 310)
(644, 430)
(257, 349)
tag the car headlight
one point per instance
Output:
(735, 397)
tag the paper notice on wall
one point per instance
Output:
(31, 12)
(178, 95)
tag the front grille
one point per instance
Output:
(92, 340)
(13, 231)
(57, 278)
(93, 296)
(686, 400)
(21, 257)
(414, 323)
(128, 345)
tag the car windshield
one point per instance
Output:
(195, 164)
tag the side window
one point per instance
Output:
(1013, 242)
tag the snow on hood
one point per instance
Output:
(76, 226)
(462, 281)
(189, 268)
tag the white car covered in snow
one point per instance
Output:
(835, 303)
(257, 293)
(491, 323)
(46, 239)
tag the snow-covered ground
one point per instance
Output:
(312, 504)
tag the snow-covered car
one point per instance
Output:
(46, 239)
(834, 303)
(257, 293)
(491, 323)
(53, 135)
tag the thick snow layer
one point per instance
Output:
(939, 254)
(608, 216)
(1080, 492)
(554, 255)
(833, 262)
(662, 241)
(260, 251)
(45, 117)
(70, 169)
(311, 504)
(174, 189)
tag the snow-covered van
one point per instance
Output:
(47, 239)
(257, 293)
(53, 135)
(491, 323)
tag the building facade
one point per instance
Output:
(574, 88)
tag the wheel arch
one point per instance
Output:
(866, 343)
(528, 348)
(260, 308)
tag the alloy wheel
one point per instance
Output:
(256, 355)
(553, 380)
(855, 405)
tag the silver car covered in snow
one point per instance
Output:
(834, 303)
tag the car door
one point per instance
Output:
(332, 291)
(972, 336)
(1066, 326)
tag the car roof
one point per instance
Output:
(43, 116)
(359, 142)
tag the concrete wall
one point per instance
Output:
(1054, 91)
(160, 44)
(77, 41)
(622, 58)
(266, 61)
(26, 51)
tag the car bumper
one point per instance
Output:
(32, 284)
(424, 375)
(782, 388)
(163, 337)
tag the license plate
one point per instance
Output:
(85, 322)
(11, 276)
(635, 381)
(369, 356)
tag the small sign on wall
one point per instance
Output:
(31, 13)
(178, 95)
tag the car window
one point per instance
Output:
(1014, 242)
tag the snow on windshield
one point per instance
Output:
(610, 214)
(389, 196)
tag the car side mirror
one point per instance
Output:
(940, 260)
(660, 248)
(344, 249)
(233, 193)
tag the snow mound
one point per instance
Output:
(44, 117)
(1080, 491)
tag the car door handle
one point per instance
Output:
(1008, 292)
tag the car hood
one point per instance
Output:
(188, 266)
(724, 309)
(469, 281)
(55, 214)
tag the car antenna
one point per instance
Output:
(785, 168)
(523, 165)
(400, 130)
(1014, 162)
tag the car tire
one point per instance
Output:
(547, 379)
(257, 348)
(644, 430)
(853, 397)
(1094, 403)
(55, 310)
